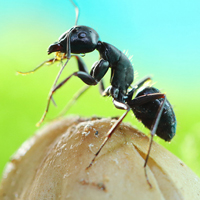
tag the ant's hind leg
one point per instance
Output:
(153, 132)
(142, 100)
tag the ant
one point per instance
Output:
(149, 105)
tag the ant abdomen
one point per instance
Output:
(147, 112)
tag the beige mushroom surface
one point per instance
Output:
(52, 165)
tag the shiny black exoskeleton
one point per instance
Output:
(79, 39)
(146, 113)
(84, 39)
(149, 105)
(121, 78)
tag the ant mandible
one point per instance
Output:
(149, 105)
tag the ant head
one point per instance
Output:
(79, 39)
(83, 39)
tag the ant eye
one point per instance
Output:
(82, 35)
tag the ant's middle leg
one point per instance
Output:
(77, 96)
(119, 105)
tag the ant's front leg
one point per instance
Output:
(81, 67)
(47, 62)
(82, 75)
(97, 73)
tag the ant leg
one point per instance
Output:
(153, 132)
(86, 78)
(74, 99)
(50, 62)
(56, 80)
(142, 100)
(47, 62)
(99, 70)
(112, 129)
(141, 82)
(101, 87)
(51, 93)
(81, 67)
(137, 86)
(104, 92)
(145, 99)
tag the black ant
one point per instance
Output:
(149, 105)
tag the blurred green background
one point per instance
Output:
(162, 36)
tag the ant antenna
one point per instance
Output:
(68, 47)
(76, 10)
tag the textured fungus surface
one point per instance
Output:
(51, 165)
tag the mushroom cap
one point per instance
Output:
(52, 165)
